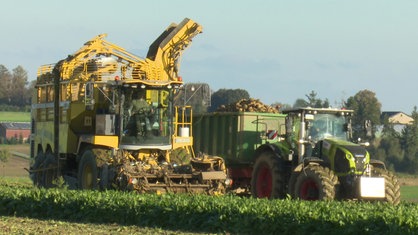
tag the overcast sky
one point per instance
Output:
(276, 50)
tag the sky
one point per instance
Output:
(277, 50)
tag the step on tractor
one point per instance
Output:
(307, 153)
(104, 118)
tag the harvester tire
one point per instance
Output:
(315, 182)
(392, 186)
(267, 177)
(87, 171)
(51, 174)
(37, 177)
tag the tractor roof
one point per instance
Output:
(310, 110)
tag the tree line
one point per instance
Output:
(15, 89)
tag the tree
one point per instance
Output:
(389, 149)
(5, 84)
(299, 103)
(30, 90)
(4, 155)
(409, 142)
(13, 87)
(312, 101)
(227, 96)
(20, 96)
(366, 107)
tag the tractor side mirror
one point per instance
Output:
(368, 128)
(347, 127)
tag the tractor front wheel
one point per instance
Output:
(392, 186)
(315, 183)
(267, 179)
(87, 171)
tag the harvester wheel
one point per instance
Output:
(87, 171)
(37, 177)
(51, 174)
(267, 179)
(392, 186)
(315, 183)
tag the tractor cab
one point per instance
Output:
(310, 127)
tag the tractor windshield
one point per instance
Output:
(327, 126)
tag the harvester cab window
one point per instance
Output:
(50, 94)
(146, 116)
(43, 94)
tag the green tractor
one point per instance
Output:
(317, 160)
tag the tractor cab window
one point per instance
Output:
(327, 126)
(146, 118)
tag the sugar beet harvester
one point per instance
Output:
(105, 118)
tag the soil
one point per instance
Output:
(15, 167)
(409, 181)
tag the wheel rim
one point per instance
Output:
(309, 190)
(87, 177)
(264, 182)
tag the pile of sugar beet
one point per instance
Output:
(248, 105)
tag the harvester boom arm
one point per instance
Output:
(100, 60)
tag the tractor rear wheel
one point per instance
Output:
(87, 171)
(267, 179)
(392, 186)
(315, 182)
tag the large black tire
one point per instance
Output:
(37, 177)
(267, 179)
(392, 186)
(315, 182)
(87, 171)
(51, 174)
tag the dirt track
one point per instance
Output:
(14, 167)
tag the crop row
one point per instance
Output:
(199, 213)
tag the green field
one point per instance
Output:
(14, 116)
(27, 210)
(409, 193)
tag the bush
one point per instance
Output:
(4, 155)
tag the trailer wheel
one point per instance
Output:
(267, 179)
(315, 183)
(87, 171)
(392, 186)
